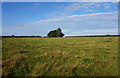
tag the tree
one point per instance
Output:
(55, 33)
(59, 32)
(52, 34)
(13, 35)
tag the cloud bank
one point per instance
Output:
(75, 25)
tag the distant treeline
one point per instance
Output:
(68, 36)
(21, 36)
(96, 36)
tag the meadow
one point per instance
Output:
(65, 56)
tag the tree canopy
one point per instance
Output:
(55, 33)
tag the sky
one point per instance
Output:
(60, 0)
(74, 18)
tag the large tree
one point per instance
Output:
(55, 33)
(59, 32)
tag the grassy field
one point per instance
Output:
(71, 56)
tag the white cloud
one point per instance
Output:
(88, 6)
(112, 31)
(104, 17)
(83, 8)
(71, 25)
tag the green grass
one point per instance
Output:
(72, 56)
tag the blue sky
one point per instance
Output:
(75, 18)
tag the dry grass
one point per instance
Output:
(73, 56)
